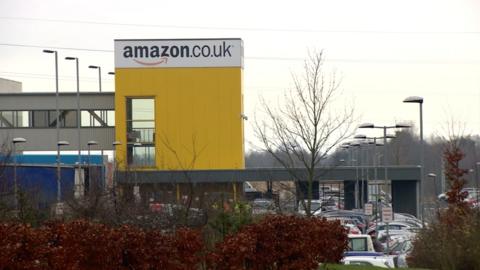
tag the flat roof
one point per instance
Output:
(165, 39)
(59, 93)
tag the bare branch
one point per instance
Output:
(302, 131)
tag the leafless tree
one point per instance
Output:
(185, 165)
(307, 125)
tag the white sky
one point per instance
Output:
(384, 50)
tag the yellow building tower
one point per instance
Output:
(178, 104)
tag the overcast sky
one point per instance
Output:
(384, 50)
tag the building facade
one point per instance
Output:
(178, 104)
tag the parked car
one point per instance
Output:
(263, 206)
(471, 196)
(370, 260)
(392, 226)
(360, 242)
(315, 207)
(351, 229)
(359, 218)
(247, 187)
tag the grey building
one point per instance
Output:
(33, 117)
(10, 86)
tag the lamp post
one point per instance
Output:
(364, 168)
(419, 100)
(477, 164)
(89, 145)
(361, 136)
(115, 144)
(59, 173)
(99, 76)
(385, 161)
(357, 176)
(136, 188)
(434, 177)
(114, 174)
(57, 122)
(15, 185)
(78, 108)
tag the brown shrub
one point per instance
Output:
(453, 241)
(86, 245)
(281, 242)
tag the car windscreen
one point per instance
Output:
(357, 244)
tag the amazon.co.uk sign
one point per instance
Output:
(164, 53)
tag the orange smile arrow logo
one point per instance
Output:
(162, 60)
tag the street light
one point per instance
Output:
(476, 180)
(361, 136)
(78, 108)
(99, 76)
(15, 185)
(89, 145)
(57, 122)
(136, 188)
(357, 164)
(114, 182)
(434, 177)
(370, 125)
(59, 174)
(419, 100)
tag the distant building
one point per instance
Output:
(9, 86)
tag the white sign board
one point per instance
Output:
(368, 209)
(172, 53)
(387, 214)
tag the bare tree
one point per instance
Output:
(185, 167)
(301, 131)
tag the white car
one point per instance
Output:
(379, 261)
(360, 242)
(392, 226)
(315, 207)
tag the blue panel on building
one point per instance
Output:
(39, 184)
(52, 159)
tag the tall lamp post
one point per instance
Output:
(99, 76)
(385, 161)
(357, 163)
(59, 173)
(434, 177)
(78, 109)
(114, 174)
(477, 164)
(375, 144)
(57, 122)
(15, 184)
(419, 100)
(89, 146)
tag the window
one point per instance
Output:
(7, 119)
(40, 119)
(68, 118)
(23, 119)
(48, 119)
(357, 244)
(97, 118)
(141, 132)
